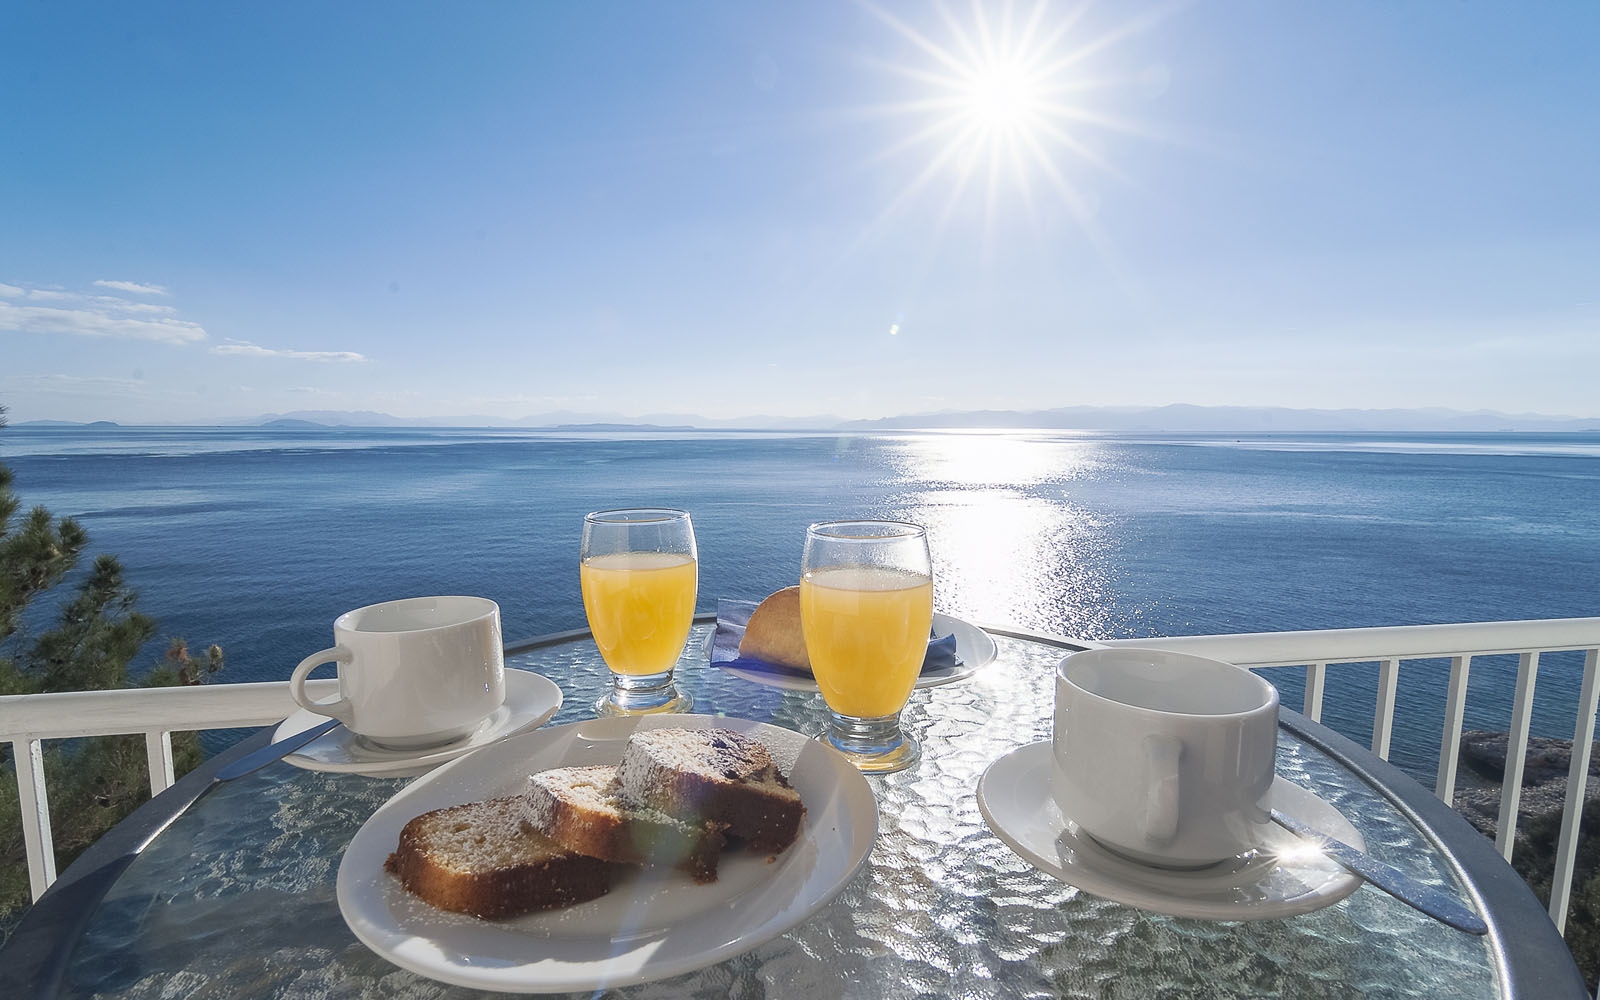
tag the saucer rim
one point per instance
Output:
(1102, 881)
(539, 695)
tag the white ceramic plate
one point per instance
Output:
(530, 701)
(974, 646)
(1284, 877)
(653, 923)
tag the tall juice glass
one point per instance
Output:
(639, 572)
(866, 607)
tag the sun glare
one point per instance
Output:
(1006, 104)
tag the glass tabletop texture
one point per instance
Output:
(236, 898)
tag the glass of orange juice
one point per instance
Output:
(866, 608)
(639, 572)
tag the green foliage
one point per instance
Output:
(32, 559)
(97, 635)
(181, 668)
(92, 783)
(14, 892)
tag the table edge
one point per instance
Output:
(33, 959)
(1530, 957)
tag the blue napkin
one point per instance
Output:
(732, 616)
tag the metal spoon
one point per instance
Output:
(1435, 903)
(258, 759)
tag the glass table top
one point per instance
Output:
(236, 897)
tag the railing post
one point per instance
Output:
(1316, 680)
(1450, 746)
(158, 758)
(1383, 717)
(1505, 835)
(1577, 785)
(28, 758)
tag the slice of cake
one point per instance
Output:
(720, 775)
(479, 859)
(581, 809)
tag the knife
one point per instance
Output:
(1435, 903)
(258, 759)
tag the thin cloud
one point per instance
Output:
(142, 308)
(135, 287)
(72, 383)
(97, 321)
(240, 348)
(56, 311)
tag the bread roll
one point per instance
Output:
(773, 633)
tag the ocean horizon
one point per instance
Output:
(255, 538)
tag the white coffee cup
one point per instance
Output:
(414, 673)
(1165, 758)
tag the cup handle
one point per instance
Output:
(339, 709)
(1162, 754)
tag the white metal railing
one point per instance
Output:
(1459, 644)
(26, 720)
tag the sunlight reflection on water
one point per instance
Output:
(1009, 546)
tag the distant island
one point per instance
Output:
(1178, 418)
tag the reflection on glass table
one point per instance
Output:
(236, 897)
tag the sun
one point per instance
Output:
(1004, 96)
(1006, 104)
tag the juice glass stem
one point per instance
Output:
(636, 694)
(875, 745)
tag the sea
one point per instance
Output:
(256, 538)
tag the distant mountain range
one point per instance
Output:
(1184, 418)
(1174, 419)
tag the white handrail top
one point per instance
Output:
(1357, 645)
(70, 714)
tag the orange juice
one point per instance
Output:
(866, 631)
(640, 606)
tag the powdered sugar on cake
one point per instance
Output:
(671, 800)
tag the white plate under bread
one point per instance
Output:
(653, 923)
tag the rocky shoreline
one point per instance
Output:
(1544, 779)
(1539, 814)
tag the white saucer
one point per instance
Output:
(530, 701)
(1283, 877)
(974, 646)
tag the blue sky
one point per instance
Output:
(217, 211)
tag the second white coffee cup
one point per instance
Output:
(414, 673)
(1166, 758)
